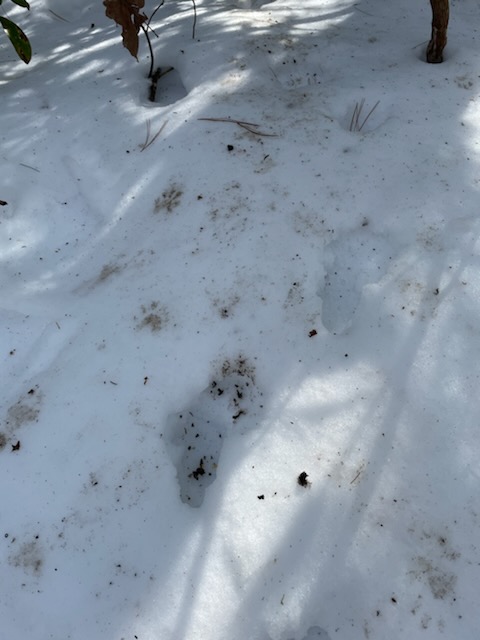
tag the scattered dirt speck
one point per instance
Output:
(302, 479)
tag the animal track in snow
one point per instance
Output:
(25, 411)
(29, 556)
(352, 261)
(198, 432)
(291, 64)
(292, 73)
(316, 633)
(169, 200)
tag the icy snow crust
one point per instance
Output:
(240, 370)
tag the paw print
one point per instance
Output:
(169, 200)
(154, 317)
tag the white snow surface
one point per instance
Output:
(187, 328)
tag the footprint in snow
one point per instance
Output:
(197, 433)
(351, 261)
(316, 633)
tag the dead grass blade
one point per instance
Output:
(148, 139)
(357, 112)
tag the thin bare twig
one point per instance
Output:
(58, 16)
(27, 166)
(356, 477)
(150, 140)
(145, 31)
(248, 126)
(361, 11)
(194, 19)
(159, 73)
(361, 468)
(154, 12)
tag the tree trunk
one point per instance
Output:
(439, 30)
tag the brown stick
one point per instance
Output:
(440, 15)
(249, 126)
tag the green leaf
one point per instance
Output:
(19, 40)
(22, 3)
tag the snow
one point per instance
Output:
(191, 324)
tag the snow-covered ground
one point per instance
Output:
(240, 370)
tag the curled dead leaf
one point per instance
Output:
(126, 13)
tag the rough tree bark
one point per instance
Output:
(438, 40)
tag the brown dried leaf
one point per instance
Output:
(126, 13)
